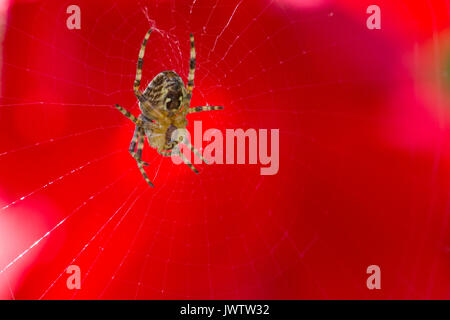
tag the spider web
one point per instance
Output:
(74, 196)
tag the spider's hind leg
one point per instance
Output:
(195, 151)
(144, 174)
(187, 162)
(138, 155)
(134, 141)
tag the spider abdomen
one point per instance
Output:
(166, 91)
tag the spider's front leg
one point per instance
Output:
(191, 76)
(205, 108)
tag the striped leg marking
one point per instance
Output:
(206, 108)
(140, 63)
(144, 174)
(138, 156)
(187, 162)
(190, 84)
(140, 147)
(195, 151)
(133, 142)
(127, 114)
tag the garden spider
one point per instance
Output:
(164, 106)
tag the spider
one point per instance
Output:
(164, 105)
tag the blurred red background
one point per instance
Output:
(364, 153)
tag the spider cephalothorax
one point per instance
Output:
(164, 105)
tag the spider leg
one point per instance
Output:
(206, 108)
(137, 136)
(187, 162)
(133, 142)
(190, 84)
(138, 156)
(195, 151)
(144, 174)
(140, 145)
(140, 63)
(128, 114)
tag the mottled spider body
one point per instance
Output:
(164, 98)
(165, 92)
(164, 105)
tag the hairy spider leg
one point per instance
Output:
(205, 108)
(140, 63)
(140, 145)
(190, 83)
(195, 151)
(186, 161)
(138, 137)
(138, 156)
(144, 174)
(133, 142)
(128, 114)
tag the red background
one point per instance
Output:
(364, 162)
